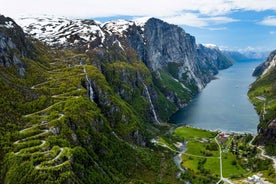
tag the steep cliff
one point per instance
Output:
(264, 67)
(263, 94)
(13, 45)
(167, 47)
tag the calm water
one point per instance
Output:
(223, 104)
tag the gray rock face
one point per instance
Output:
(162, 44)
(265, 66)
(13, 45)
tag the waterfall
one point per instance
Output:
(90, 90)
(151, 105)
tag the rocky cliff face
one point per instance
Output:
(263, 68)
(13, 45)
(163, 46)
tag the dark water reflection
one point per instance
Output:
(223, 104)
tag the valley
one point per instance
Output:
(89, 102)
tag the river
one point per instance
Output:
(223, 104)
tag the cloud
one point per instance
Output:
(196, 20)
(254, 5)
(269, 21)
(186, 12)
(216, 28)
(272, 32)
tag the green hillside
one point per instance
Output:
(263, 95)
(51, 132)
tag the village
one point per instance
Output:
(231, 157)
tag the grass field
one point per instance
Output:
(212, 164)
(191, 133)
(230, 169)
(201, 149)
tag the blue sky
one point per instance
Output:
(230, 24)
(246, 33)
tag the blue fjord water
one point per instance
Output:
(223, 104)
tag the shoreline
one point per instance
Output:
(216, 130)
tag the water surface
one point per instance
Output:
(223, 104)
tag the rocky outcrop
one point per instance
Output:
(268, 134)
(263, 68)
(13, 45)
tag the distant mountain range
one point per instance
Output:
(244, 56)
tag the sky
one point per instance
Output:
(242, 25)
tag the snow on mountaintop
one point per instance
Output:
(65, 32)
(118, 26)
(210, 45)
(55, 31)
(141, 21)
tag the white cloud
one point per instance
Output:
(272, 32)
(216, 28)
(198, 13)
(189, 19)
(255, 5)
(196, 20)
(269, 21)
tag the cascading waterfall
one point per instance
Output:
(91, 92)
(151, 105)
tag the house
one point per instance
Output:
(223, 137)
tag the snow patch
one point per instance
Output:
(60, 30)
(141, 21)
(8, 25)
(210, 45)
(119, 44)
(118, 26)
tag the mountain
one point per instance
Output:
(87, 98)
(235, 55)
(244, 56)
(263, 94)
(256, 54)
(167, 50)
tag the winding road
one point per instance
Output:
(28, 144)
